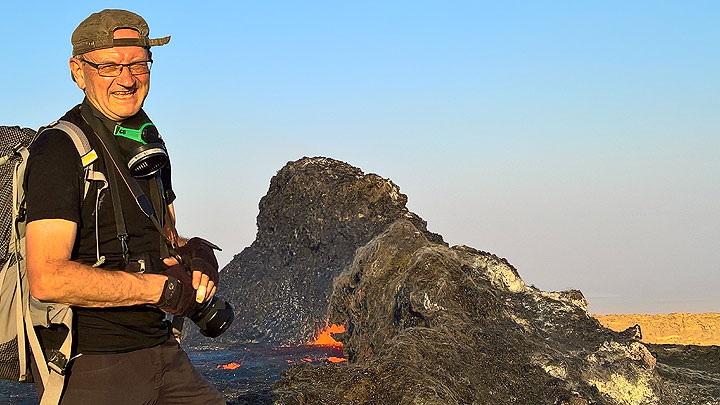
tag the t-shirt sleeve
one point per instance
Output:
(54, 183)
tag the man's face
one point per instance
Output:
(121, 97)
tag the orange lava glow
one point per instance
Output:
(325, 336)
(337, 359)
(231, 366)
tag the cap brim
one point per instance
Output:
(142, 42)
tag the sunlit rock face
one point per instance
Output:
(316, 213)
(430, 324)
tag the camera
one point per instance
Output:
(213, 317)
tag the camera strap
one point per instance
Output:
(117, 209)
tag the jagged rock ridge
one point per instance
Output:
(316, 213)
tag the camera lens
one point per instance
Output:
(214, 317)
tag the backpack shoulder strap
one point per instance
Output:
(80, 140)
(88, 156)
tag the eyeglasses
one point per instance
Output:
(115, 69)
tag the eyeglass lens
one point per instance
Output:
(113, 69)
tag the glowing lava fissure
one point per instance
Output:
(325, 338)
(229, 366)
(323, 348)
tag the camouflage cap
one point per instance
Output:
(96, 32)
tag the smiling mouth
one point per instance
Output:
(124, 93)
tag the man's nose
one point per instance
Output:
(126, 79)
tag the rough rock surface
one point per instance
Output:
(693, 371)
(316, 213)
(675, 328)
(429, 324)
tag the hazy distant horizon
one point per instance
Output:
(619, 305)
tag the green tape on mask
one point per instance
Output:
(134, 134)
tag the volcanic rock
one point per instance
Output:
(316, 213)
(430, 324)
(427, 323)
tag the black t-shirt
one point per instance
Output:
(54, 189)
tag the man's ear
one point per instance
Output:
(76, 72)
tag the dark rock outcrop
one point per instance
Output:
(316, 213)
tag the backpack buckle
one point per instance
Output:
(21, 214)
(57, 361)
(125, 248)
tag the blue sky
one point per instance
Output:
(577, 139)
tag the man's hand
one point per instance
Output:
(197, 254)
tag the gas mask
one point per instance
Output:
(150, 156)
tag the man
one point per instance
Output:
(112, 265)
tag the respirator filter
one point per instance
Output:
(150, 156)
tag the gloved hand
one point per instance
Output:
(197, 255)
(178, 296)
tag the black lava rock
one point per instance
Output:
(316, 213)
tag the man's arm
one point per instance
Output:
(54, 277)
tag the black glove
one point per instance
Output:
(178, 295)
(198, 254)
